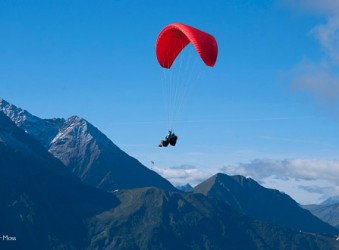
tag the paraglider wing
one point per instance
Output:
(174, 37)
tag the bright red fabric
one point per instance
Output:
(174, 37)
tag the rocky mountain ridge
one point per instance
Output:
(86, 151)
(270, 205)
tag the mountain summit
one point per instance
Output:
(89, 154)
(43, 130)
(270, 205)
(86, 151)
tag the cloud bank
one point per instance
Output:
(306, 169)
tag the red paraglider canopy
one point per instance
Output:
(174, 37)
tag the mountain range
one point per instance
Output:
(85, 151)
(65, 185)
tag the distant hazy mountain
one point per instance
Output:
(331, 201)
(151, 218)
(327, 213)
(185, 188)
(246, 195)
(42, 205)
(87, 152)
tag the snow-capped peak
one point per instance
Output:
(17, 115)
(44, 130)
(74, 126)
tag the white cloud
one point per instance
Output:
(303, 191)
(328, 36)
(306, 169)
(320, 80)
(181, 175)
(313, 189)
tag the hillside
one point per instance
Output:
(41, 204)
(247, 196)
(150, 218)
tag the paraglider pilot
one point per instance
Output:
(171, 139)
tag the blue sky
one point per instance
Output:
(269, 108)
